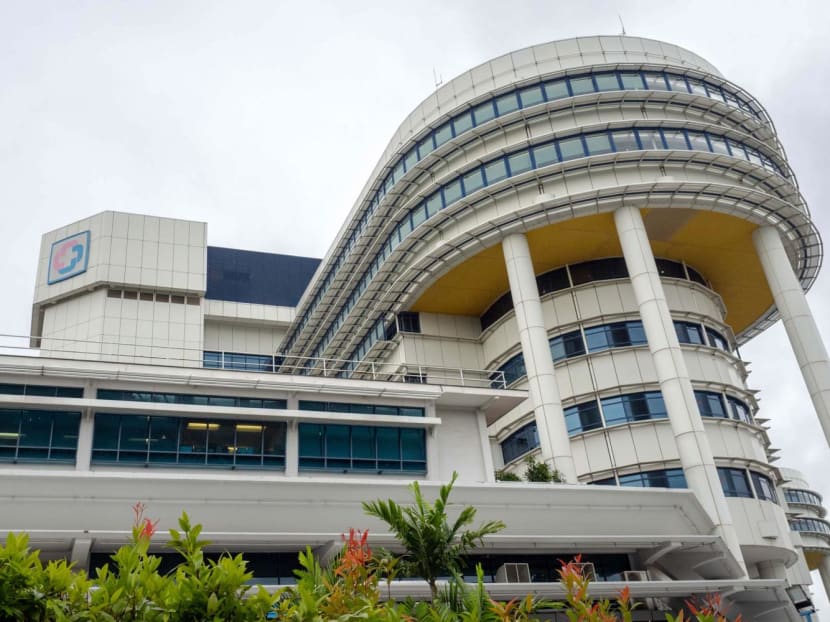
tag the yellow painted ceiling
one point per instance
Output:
(718, 245)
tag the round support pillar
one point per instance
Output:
(541, 380)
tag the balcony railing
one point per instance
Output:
(143, 352)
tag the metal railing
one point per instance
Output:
(144, 352)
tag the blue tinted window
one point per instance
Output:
(558, 89)
(189, 442)
(361, 448)
(463, 122)
(583, 417)
(495, 171)
(625, 140)
(656, 82)
(580, 86)
(710, 404)
(734, 482)
(664, 478)
(484, 112)
(520, 442)
(452, 192)
(38, 435)
(598, 144)
(433, 204)
(474, 180)
(507, 103)
(571, 148)
(545, 155)
(688, 332)
(443, 134)
(425, 147)
(567, 345)
(632, 81)
(717, 340)
(519, 163)
(764, 488)
(739, 409)
(607, 81)
(615, 335)
(531, 96)
(633, 407)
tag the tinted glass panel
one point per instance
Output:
(571, 148)
(507, 103)
(531, 96)
(556, 90)
(734, 482)
(580, 86)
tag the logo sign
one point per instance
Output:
(69, 257)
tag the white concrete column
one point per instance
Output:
(292, 448)
(486, 451)
(692, 444)
(824, 573)
(544, 392)
(799, 323)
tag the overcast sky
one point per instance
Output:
(264, 119)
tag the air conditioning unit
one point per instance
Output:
(587, 571)
(513, 573)
(634, 576)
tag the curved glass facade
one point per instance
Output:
(605, 337)
(544, 154)
(518, 99)
(803, 497)
(813, 525)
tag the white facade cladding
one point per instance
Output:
(555, 258)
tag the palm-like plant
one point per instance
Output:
(433, 546)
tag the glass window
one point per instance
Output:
(495, 171)
(650, 139)
(519, 162)
(632, 81)
(520, 442)
(675, 139)
(710, 404)
(688, 332)
(474, 180)
(607, 82)
(531, 96)
(463, 122)
(556, 89)
(513, 369)
(740, 410)
(443, 134)
(507, 103)
(697, 87)
(804, 497)
(625, 140)
(433, 204)
(677, 83)
(598, 144)
(419, 215)
(716, 340)
(552, 281)
(670, 269)
(764, 488)
(718, 144)
(737, 150)
(567, 345)
(571, 148)
(452, 192)
(615, 335)
(583, 417)
(664, 478)
(580, 86)
(409, 161)
(484, 112)
(212, 360)
(734, 482)
(698, 141)
(656, 82)
(633, 407)
(545, 155)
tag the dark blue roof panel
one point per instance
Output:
(260, 278)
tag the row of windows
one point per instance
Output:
(604, 337)
(362, 448)
(362, 409)
(619, 409)
(177, 299)
(188, 442)
(587, 272)
(241, 361)
(41, 390)
(804, 497)
(735, 482)
(187, 398)
(539, 156)
(38, 435)
(813, 525)
(484, 112)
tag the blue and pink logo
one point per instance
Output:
(69, 257)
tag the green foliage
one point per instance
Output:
(507, 476)
(541, 472)
(432, 544)
(31, 592)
